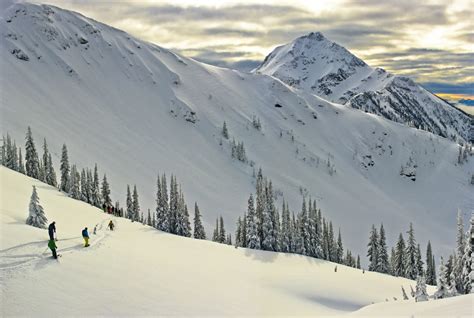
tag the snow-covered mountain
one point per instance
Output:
(322, 67)
(139, 271)
(138, 109)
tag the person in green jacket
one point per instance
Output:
(53, 247)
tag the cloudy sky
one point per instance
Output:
(431, 41)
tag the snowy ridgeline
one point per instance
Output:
(156, 111)
(162, 276)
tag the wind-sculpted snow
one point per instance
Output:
(137, 110)
(319, 66)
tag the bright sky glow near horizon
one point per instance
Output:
(430, 41)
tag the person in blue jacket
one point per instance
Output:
(85, 235)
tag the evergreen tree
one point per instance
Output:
(74, 184)
(399, 269)
(135, 204)
(260, 205)
(358, 262)
(410, 255)
(243, 232)
(468, 259)
(267, 222)
(199, 232)
(162, 208)
(65, 170)
(84, 186)
(393, 263)
(340, 249)
(21, 165)
(442, 288)
(148, 219)
(41, 171)
(238, 233)
(225, 132)
(304, 228)
(419, 262)
(173, 207)
(460, 249)
(228, 240)
(32, 160)
(222, 233)
(95, 191)
(106, 193)
(49, 174)
(382, 254)
(36, 215)
(430, 266)
(373, 250)
(215, 235)
(452, 291)
(421, 294)
(332, 244)
(285, 229)
(129, 203)
(298, 236)
(253, 241)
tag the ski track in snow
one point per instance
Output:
(23, 257)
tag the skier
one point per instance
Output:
(85, 235)
(52, 230)
(52, 246)
(111, 225)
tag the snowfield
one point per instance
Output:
(137, 270)
(137, 110)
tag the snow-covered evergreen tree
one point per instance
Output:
(253, 241)
(225, 132)
(442, 287)
(135, 203)
(148, 219)
(267, 222)
(74, 184)
(31, 157)
(419, 261)
(393, 265)
(340, 248)
(285, 229)
(199, 232)
(430, 266)
(49, 174)
(228, 240)
(173, 206)
(129, 203)
(467, 260)
(36, 215)
(358, 261)
(95, 191)
(399, 257)
(215, 235)
(382, 265)
(222, 233)
(460, 249)
(65, 170)
(238, 233)
(410, 255)
(452, 291)
(421, 294)
(105, 192)
(21, 165)
(162, 208)
(243, 231)
(373, 249)
(84, 186)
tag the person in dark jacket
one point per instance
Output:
(52, 230)
(111, 225)
(52, 246)
(85, 236)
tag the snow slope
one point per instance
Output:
(322, 67)
(138, 109)
(137, 270)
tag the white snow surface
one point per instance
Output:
(137, 109)
(137, 270)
